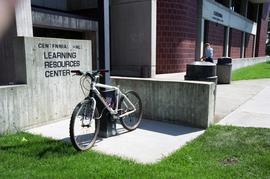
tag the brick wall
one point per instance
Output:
(249, 45)
(235, 43)
(214, 34)
(262, 38)
(262, 31)
(176, 35)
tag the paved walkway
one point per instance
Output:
(254, 110)
(148, 144)
(242, 103)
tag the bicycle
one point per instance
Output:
(85, 119)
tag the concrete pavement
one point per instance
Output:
(242, 103)
(254, 112)
(231, 97)
(148, 144)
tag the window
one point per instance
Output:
(223, 2)
(236, 6)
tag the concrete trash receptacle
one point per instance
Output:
(224, 70)
(201, 71)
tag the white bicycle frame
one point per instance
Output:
(94, 87)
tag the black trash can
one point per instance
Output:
(107, 123)
(224, 70)
(201, 71)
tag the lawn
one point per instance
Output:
(261, 70)
(221, 152)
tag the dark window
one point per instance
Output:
(57, 33)
(236, 6)
(252, 11)
(223, 2)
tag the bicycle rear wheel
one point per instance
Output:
(84, 127)
(131, 121)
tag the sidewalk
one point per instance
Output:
(148, 144)
(242, 103)
(254, 112)
(232, 96)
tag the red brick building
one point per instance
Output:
(179, 28)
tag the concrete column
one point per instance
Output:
(255, 36)
(242, 55)
(24, 18)
(133, 38)
(244, 9)
(153, 37)
(107, 39)
(97, 49)
(227, 35)
(226, 42)
(200, 31)
(104, 38)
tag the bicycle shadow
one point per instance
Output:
(157, 127)
(39, 149)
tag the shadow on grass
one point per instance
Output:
(39, 149)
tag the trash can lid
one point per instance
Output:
(199, 63)
(224, 60)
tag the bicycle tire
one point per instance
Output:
(136, 116)
(87, 141)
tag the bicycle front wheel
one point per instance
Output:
(131, 121)
(84, 127)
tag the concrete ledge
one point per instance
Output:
(243, 62)
(12, 86)
(179, 102)
(240, 63)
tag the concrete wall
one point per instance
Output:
(24, 18)
(44, 98)
(243, 62)
(7, 75)
(180, 102)
(131, 38)
(21, 25)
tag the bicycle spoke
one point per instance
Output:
(132, 120)
(83, 129)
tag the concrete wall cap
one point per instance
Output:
(163, 80)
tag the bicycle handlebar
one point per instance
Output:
(77, 72)
(91, 75)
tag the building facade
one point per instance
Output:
(170, 34)
(141, 38)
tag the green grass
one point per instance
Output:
(261, 70)
(221, 152)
